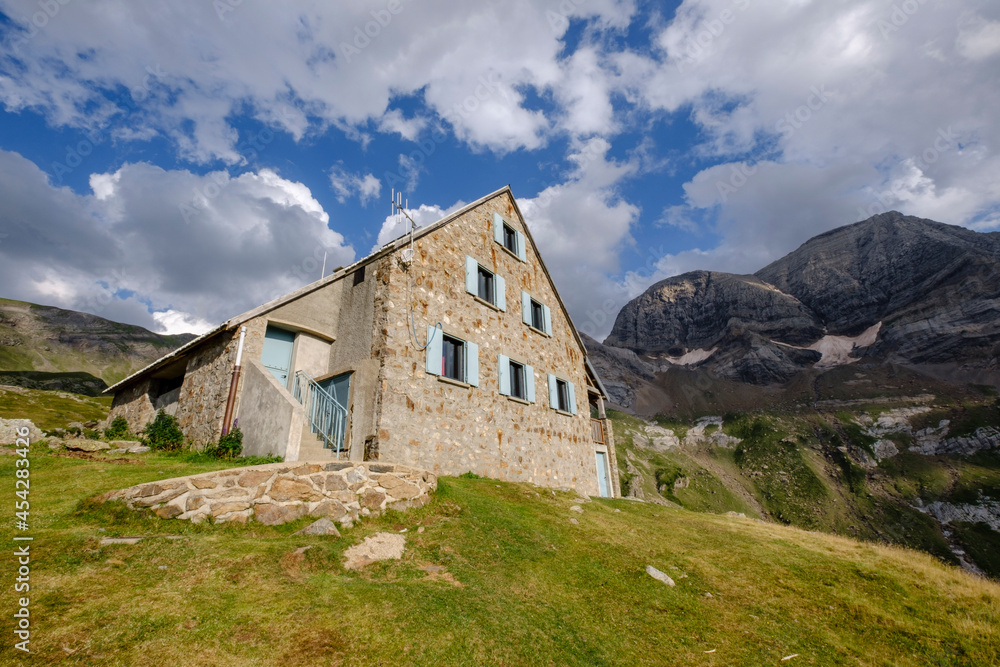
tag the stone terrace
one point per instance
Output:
(277, 493)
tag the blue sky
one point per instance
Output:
(172, 164)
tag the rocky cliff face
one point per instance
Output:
(892, 288)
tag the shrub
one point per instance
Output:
(163, 433)
(118, 429)
(230, 445)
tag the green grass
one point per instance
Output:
(527, 587)
(52, 409)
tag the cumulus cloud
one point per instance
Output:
(294, 67)
(163, 249)
(365, 186)
(817, 115)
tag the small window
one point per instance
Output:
(483, 283)
(359, 276)
(453, 358)
(517, 381)
(537, 320)
(562, 389)
(486, 286)
(509, 238)
(535, 314)
(561, 395)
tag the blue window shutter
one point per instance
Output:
(503, 364)
(572, 398)
(501, 292)
(546, 319)
(434, 353)
(520, 246)
(529, 383)
(471, 275)
(525, 308)
(553, 392)
(498, 228)
(472, 364)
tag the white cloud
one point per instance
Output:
(175, 322)
(346, 185)
(845, 110)
(189, 69)
(395, 226)
(581, 226)
(194, 250)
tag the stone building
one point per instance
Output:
(448, 349)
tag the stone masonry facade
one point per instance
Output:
(451, 428)
(277, 493)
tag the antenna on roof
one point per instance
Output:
(399, 212)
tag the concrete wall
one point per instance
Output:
(269, 417)
(310, 354)
(428, 423)
(353, 352)
(318, 311)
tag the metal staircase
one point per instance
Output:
(327, 418)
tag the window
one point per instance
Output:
(535, 314)
(562, 395)
(517, 379)
(451, 357)
(537, 320)
(508, 237)
(359, 276)
(483, 283)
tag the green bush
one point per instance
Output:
(230, 446)
(163, 433)
(118, 429)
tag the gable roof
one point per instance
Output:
(338, 274)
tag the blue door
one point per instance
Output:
(339, 388)
(277, 354)
(602, 475)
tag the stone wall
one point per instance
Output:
(132, 402)
(277, 493)
(448, 428)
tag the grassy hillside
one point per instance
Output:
(514, 582)
(54, 340)
(815, 468)
(51, 409)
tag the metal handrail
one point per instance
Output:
(327, 417)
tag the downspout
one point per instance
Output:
(232, 385)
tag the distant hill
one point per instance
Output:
(62, 347)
